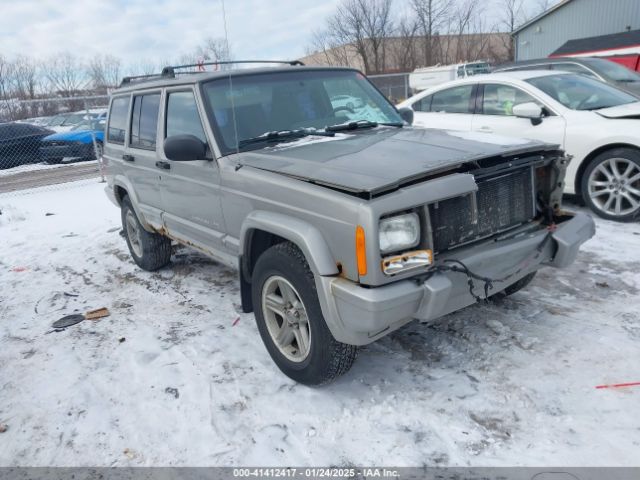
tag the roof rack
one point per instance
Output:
(170, 71)
(139, 78)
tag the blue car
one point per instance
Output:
(76, 144)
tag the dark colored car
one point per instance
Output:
(599, 68)
(77, 143)
(20, 144)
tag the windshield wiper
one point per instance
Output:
(351, 126)
(278, 135)
(354, 125)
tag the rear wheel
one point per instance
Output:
(290, 320)
(150, 251)
(611, 184)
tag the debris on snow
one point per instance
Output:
(172, 391)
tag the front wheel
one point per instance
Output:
(290, 320)
(611, 184)
(150, 251)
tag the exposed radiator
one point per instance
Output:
(503, 202)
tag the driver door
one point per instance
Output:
(191, 189)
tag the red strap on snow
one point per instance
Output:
(620, 385)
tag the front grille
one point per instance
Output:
(503, 201)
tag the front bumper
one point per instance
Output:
(357, 315)
(68, 150)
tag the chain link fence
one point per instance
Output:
(50, 142)
(395, 86)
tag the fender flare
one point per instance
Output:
(122, 182)
(304, 235)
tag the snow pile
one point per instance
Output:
(172, 377)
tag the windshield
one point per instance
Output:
(614, 71)
(89, 125)
(578, 92)
(57, 120)
(285, 101)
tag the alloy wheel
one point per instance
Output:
(614, 186)
(286, 318)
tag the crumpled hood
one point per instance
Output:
(621, 111)
(383, 158)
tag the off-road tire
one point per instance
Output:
(155, 248)
(327, 358)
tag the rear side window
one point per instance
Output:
(453, 100)
(183, 117)
(118, 120)
(144, 121)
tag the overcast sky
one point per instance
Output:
(158, 29)
(139, 30)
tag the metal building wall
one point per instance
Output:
(577, 19)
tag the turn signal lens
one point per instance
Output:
(361, 251)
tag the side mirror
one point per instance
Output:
(407, 114)
(182, 148)
(530, 110)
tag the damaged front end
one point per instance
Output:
(510, 194)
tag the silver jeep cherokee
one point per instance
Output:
(344, 222)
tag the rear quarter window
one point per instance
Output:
(144, 121)
(118, 120)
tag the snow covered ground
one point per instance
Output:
(172, 377)
(32, 167)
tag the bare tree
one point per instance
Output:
(65, 74)
(434, 16)
(104, 71)
(364, 24)
(328, 51)
(215, 50)
(5, 67)
(512, 16)
(404, 49)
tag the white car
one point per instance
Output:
(599, 125)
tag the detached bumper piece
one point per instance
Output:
(366, 314)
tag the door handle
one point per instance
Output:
(128, 158)
(163, 165)
(486, 129)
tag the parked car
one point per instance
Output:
(342, 229)
(596, 123)
(64, 122)
(20, 143)
(428, 77)
(598, 68)
(77, 143)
